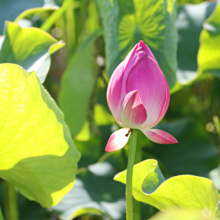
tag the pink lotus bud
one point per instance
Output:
(138, 97)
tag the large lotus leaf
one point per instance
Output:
(29, 47)
(127, 22)
(189, 25)
(95, 191)
(37, 153)
(209, 51)
(194, 154)
(77, 84)
(184, 191)
(9, 10)
(183, 214)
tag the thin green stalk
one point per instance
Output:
(137, 205)
(217, 124)
(57, 14)
(137, 210)
(131, 158)
(1, 216)
(10, 202)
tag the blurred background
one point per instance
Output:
(185, 38)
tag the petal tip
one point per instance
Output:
(117, 140)
(142, 44)
(159, 136)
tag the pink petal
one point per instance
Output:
(136, 54)
(165, 105)
(148, 79)
(116, 92)
(159, 136)
(114, 89)
(118, 140)
(138, 51)
(133, 111)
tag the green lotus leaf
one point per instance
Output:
(183, 191)
(77, 84)
(29, 47)
(209, 51)
(127, 22)
(37, 153)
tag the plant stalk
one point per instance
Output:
(10, 202)
(57, 14)
(1, 215)
(131, 159)
(137, 204)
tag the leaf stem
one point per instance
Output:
(10, 202)
(137, 204)
(1, 216)
(217, 124)
(131, 158)
(58, 13)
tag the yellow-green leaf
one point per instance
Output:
(183, 214)
(184, 191)
(37, 153)
(29, 47)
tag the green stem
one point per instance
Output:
(1, 216)
(131, 158)
(57, 14)
(137, 205)
(217, 124)
(10, 202)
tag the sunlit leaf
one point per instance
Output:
(209, 51)
(183, 214)
(127, 22)
(29, 47)
(77, 84)
(37, 153)
(184, 191)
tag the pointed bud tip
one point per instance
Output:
(142, 44)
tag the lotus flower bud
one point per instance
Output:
(138, 97)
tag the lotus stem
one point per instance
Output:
(131, 159)
(1, 216)
(10, 202)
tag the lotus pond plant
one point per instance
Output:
(138, 97)
(62, 68)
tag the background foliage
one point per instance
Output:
(74, 47)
